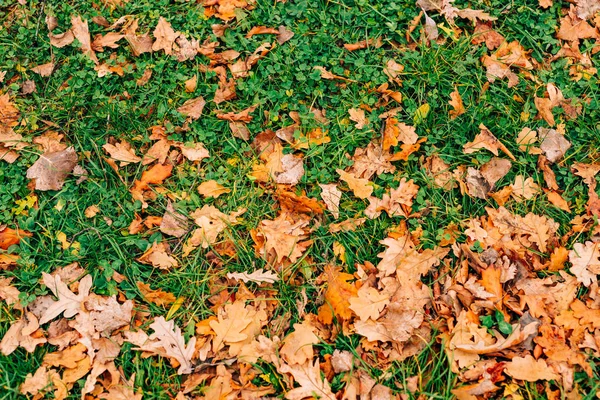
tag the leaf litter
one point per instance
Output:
(507, 295)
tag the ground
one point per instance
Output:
(415, 183)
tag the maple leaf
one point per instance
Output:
(529, 369)
(258, 276)
(51, 169)
(168, 341)
(69, 303)
(308, 376)
(585, 259)
(298, 346)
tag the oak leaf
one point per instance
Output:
(165, 36)
(308, 376)
(358, 115)
(369, 302)
(529, 369)
(230, 325)
(338, 292)
(51, 169)
(361, 188)
(283, 237)
(456, 102)
(585, 258)
(402, 256)
(158, 297)
(554, 145)
(22, 333)
(169, 342)
(258, 276)
(69, 304)
(331, 195)
(298, 346)
(524, 188)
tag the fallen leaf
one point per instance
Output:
(331, 195)
(298, 346)
(284, 34)
(174, 223)
(194, 151)
(258, 276)
(212, 189)
(165, 36)
(170, 343)
(529, 369)
(51, 169)
(358, 115)
(524, 188)
(191, 84)
(44, 70)
(80, 31)
(369, 302)
(585, 258)
(308, 376)
(158, 297)
(69, 304)
(122, 152)
(193, 108)
(554, 145)
(486, 140)
(360, 187)
(457, 105)
(91, 211)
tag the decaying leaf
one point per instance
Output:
(258, 276)
(51, 169)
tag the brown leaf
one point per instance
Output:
(457, 105)
(331, 195)
(82, 34)
(308, 376)
(485, 34)
(165, 36)
(364, 44)
(554, 145)
(22, 333)
(338, 292)
(529, 369)
(62, 39)
(485, 139)
(284, 34)
(108, 40)
(51, 169)
(298, 346)
(358, 115)
(556, 200)
(261, 30)
(145, 78)
(68, 303)
(158, 152)
(572, 28)
(159, 256)
(193, 107)
(174, 223)
(242, 116)
(239, 130)
(586, 262)
(191, 84)
(44, 70)
(194, 151)
(122, 152)
(258, 276)
(524, 188)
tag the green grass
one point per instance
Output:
(92, 109)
